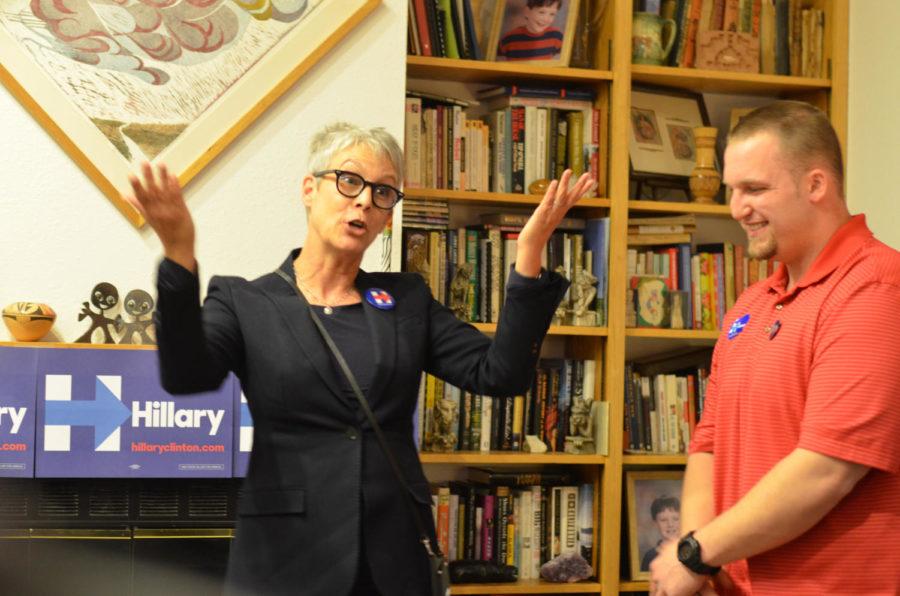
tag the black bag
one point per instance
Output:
(437, 564)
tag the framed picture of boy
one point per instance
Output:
(654, 516)
(533, 30)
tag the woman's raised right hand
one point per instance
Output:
(158, 198)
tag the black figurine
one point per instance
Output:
(104, 296)
(138, 303)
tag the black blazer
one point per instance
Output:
(317, 476)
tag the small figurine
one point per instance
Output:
(138, 303)
(580, 439)
(584, 295)
(104, 296)
(445, 415)
(459, 291)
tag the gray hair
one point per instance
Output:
(338, 136)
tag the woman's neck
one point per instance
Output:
(328, 276)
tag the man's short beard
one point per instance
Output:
(763, 249)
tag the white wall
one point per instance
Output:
(874, 119)
(59, 235)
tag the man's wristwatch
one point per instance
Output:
(690, 557)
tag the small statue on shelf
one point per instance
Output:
(584, 297)
(459, 291)
(559, 318)
(444, 438)
(580, 439)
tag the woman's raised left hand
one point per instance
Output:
(557, 201)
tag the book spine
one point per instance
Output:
(518, 149)
(575, 139)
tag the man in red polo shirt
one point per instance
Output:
(792, 481)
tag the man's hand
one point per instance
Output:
(668, 577)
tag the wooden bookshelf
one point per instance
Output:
(528, 586)
(615, 343)
(675, 207)
(479, 71)
(718, 81)
(652, 459)
(634, 586)
(671, 333)
(492, 198)
(554, 330)
(506, 458)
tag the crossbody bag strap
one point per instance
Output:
(420, 526)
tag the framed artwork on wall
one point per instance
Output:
(661, 140)
(116, 84)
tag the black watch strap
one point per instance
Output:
(690, 555)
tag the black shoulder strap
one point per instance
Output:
(426, 541)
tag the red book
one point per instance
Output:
(422, 27)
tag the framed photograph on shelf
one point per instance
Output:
(542, 33)
(116, 84)
(661, 140)
(654, 516)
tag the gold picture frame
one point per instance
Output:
(509, 15)
(115, 85)
(647, 491)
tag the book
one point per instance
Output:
(520, 219)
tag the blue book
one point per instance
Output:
(596, 239)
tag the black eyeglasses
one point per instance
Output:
(351, 185)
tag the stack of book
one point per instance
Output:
(530, 133)
(664, 401)
(470, 266)
(790, 37)
(486, 423)
(442, 28)
(514, 518)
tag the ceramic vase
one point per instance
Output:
(705, 179)
(28, 321)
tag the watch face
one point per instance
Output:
(685, 550)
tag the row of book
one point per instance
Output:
(790, 36)
(706, 279)
(664, 401)
(467, 268)
(451, 419)
(443, 28)
(523, 138)
(525, 520)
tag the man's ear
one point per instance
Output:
(816, 184)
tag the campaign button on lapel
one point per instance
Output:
(380, 299)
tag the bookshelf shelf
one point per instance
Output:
(528, 586)
(637, 459)
(480, 71)
(715, 81)
(671, 333)
(675, 207)
(554, 330)
(641, 586)
(508, 458)
(491, 198)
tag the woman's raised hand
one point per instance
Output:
(557, 201)
(158, 198)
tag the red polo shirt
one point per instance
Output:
(817, 367)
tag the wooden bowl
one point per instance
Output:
(28, 321)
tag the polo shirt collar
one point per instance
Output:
(843, 244)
